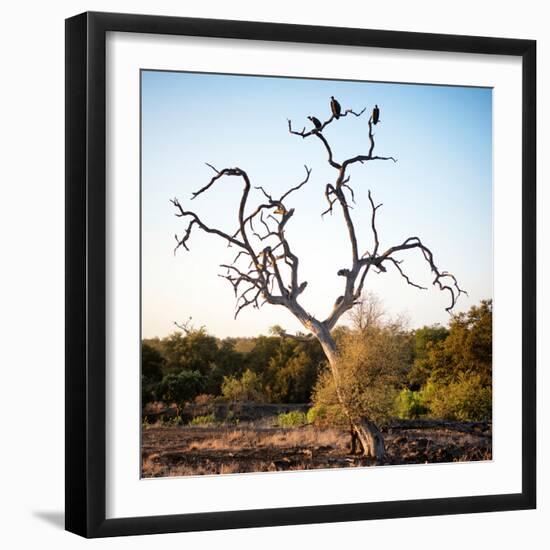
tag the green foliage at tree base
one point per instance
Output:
(466, 400)
(410, 404)
(205, 420)
(327, 416)
(292, 419)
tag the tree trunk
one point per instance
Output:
(370, 438)
(362, 429)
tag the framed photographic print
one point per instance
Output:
(300, 274)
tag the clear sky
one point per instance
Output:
(439, 190)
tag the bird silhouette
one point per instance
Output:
(316, 122)
(335, 107)
(375, 115)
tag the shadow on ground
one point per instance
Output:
(57, 519)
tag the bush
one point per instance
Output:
(152, 364)
(175, 421)
(324, 416)
(180, 387)
(246, 388)
(466, 400)
(206, 420)
(292, 419)
(371, 367)
(149, 391)
(410, 404)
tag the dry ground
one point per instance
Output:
(193, 450)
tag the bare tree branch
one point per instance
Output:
(263, 271)
(356, 273)
(441, 279)
(397, 263)
(186, 327)
(196, 221)
(274, 277)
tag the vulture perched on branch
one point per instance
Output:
(335, 107)
(316, 122)
(375, 115)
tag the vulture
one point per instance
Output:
(335, 107)
(316, 122)
(375, 115)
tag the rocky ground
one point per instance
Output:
(258, 447)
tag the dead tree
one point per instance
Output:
(266, 270)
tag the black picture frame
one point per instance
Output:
(86, 269)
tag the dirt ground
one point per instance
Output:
(195, 450)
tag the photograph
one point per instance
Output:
(316, 273)
(287, 261)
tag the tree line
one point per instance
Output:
(386, 371)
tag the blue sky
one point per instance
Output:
(439, 190)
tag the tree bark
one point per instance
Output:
(362, 429)
(370, 438)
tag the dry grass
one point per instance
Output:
(306, 437)
(185, 450)
(150, 467)
(239, 440)
(180, 451)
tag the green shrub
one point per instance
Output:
(371, 370)
(246, 388)
(465, 400)
(177, 420)
(292, 419)
(180, 387)
(206, 420)
(410, 404)
(324, 416)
